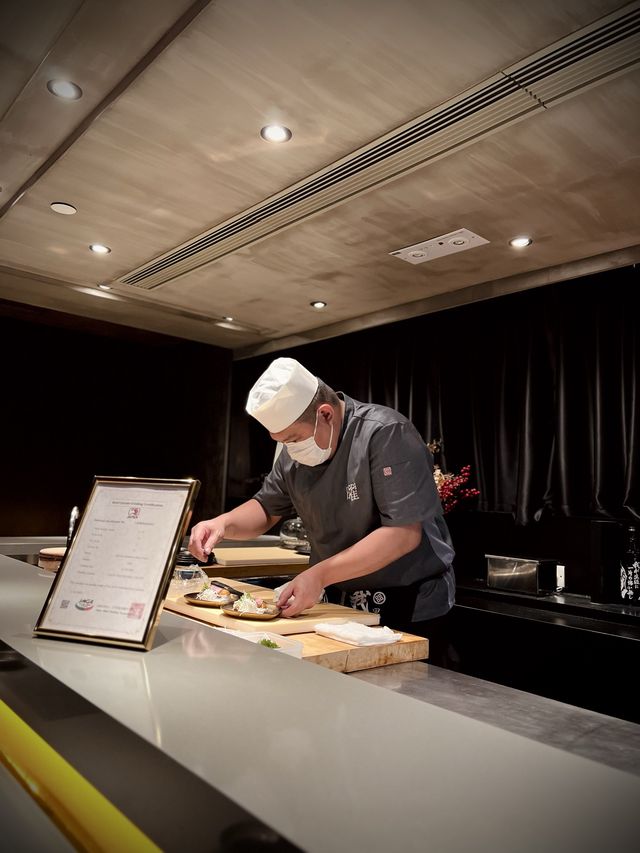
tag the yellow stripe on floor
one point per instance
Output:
(82, 813)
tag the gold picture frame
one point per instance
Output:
(116, 571)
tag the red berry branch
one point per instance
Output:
(450, 486)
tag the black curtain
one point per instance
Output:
(84, 397)
(537, 391)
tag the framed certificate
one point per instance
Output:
(115, 574)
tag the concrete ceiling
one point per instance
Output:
(163, 148)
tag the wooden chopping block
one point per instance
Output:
(252, 571)
(324, 651)
(257, 556)
(341, 657)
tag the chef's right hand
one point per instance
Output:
(204, 536)
(302, 592)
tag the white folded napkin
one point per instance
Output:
(356, 634)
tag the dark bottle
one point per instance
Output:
(630, 569)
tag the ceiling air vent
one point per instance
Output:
(607, 48)
(583, 59)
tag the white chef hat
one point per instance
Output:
(281, 394)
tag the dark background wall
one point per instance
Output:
(103, 400)
(538, 391)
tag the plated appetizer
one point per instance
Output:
(250, 607)
(210, 596)
(248, 604)
(214, 593)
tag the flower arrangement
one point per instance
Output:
(450, 486)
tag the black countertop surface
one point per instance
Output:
(564, 609)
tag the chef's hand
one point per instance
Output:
(301, 593)
(204, 536)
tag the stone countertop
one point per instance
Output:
(328, 760)
(577, 730)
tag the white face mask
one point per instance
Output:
(308, 452)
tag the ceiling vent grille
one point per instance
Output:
(587, 57)
(582, 59)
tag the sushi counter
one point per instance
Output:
(210, 742)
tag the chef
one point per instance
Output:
(361, 479)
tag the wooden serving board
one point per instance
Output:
(342, 657)
(259, 556)
(296, 625)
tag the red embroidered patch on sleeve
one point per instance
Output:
(387, 471)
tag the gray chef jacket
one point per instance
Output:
(381, 475)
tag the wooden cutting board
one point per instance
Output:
(332, 654)
(255, 556)
(256, 571)
(342, 657)
(297, 625)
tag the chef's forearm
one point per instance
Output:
(376, 550)
(247, 520)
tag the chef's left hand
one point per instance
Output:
(303, 592)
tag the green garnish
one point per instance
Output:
(268, 643)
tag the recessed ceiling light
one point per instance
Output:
(104, 286)
(520, 242)
(275, 133)
(94, 291)
(63, 207)
(64, 89)
(99, 249)
(318, 304)
(228, 319)
(230, 324)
